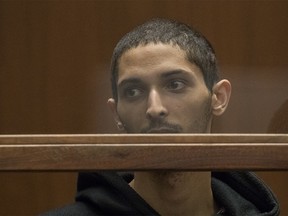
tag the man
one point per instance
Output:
(165, 80)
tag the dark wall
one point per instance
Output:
(54, 74)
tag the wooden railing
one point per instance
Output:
(144, 152)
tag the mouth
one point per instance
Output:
(162, 130)
(162, 127)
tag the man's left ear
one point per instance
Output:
(220, 97)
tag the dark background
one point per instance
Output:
(54, 75)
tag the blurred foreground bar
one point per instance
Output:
(120, 152)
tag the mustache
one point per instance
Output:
(162, 125)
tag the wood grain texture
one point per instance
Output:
(144, 152)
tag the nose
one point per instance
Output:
(155, 107)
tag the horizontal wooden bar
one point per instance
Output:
(141, 138)
(144, 152)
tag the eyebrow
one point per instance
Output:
(166, 74)
(173, 72)
(133, 80)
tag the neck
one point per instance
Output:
(176, 193)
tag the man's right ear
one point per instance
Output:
(113, 107)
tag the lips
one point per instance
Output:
(162, 130)
(162, 127)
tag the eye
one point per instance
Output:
(133, 92)
(176, 85)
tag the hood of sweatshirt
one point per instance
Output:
(237, 193)
(243, 193)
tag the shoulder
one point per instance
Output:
(77, 208)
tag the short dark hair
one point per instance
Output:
(198, 49)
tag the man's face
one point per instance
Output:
(160, 91)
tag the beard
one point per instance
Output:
(201, 123)
(198, 125)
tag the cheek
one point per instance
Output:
(185, 106)
(131, 115)
(190, 108)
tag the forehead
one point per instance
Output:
(153, 59)
(155, 52)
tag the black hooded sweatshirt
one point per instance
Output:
(108, 193)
